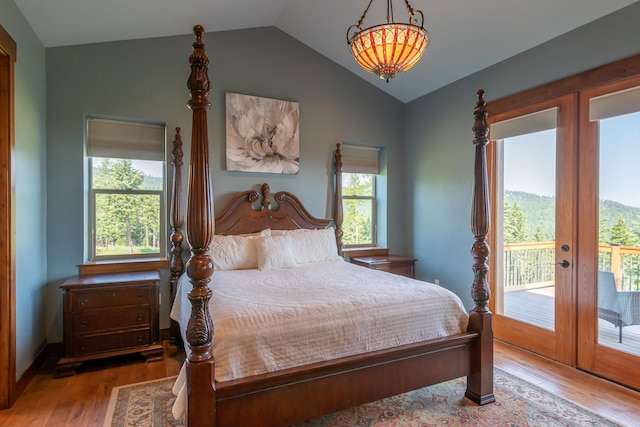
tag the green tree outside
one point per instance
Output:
(358, 193)
(126, 222)
(515, 224)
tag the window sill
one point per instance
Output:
(123, 265)
(358, 252)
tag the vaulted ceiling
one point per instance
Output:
(466, 36)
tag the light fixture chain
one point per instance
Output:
(364, 15)
(409, 8)
(412, 14)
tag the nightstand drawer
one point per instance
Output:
(109, 298)
(104, 320)
(404, 269)
(119, 340)
(395, 264)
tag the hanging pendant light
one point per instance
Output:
(388, 49)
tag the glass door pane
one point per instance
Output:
(619, 234)
(528, 228)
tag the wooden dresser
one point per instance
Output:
(403, 266)
(109, 315)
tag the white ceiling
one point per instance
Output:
(466, 35)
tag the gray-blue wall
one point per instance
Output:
(438, 139)
(146, 79)
(28, 178)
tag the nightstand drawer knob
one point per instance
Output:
(140, 338)
(84, 324)
(84, 302)
(140, 317)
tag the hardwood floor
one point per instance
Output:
(82, 400)
(612, 401)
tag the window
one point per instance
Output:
(359, 173)
(359, 205)
(126, 181)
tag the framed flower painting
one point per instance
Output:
(262, 134)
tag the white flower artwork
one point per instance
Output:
(262, 134)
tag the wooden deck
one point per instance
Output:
(535, 306)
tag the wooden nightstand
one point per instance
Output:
(110, 315)
(392, 263)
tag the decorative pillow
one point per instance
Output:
(274, 252)
(312, 245)
(235, 252)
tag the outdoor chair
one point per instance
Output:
(622, 308)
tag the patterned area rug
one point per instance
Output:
(518, 404)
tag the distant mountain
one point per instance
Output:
(539, 211)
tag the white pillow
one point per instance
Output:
(312, 245)
(235, 252)
(274, 252)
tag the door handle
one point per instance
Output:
(564, 263)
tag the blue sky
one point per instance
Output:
(620, 158)
(530, 161)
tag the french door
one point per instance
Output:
(533, 238)
(565, 238)
(609, 256)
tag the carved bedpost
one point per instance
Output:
(480, 208)
(337, 202)
(480, 382)
(176, 221)
(200, 222)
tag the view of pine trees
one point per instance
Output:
(127, 209)
(531, 218)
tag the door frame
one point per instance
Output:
(8, 49)
(558, 344)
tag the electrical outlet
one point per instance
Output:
(437, 282)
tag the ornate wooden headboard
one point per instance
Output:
(242, 216)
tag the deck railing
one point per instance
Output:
(528, 264)
(533, 264)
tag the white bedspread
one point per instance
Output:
(266, 321)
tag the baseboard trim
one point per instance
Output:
(52, 351)
(31, 371)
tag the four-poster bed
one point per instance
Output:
(300, 392)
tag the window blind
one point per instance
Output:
(530, 123)
(614, 104)
(360, 159)
(125, 140)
